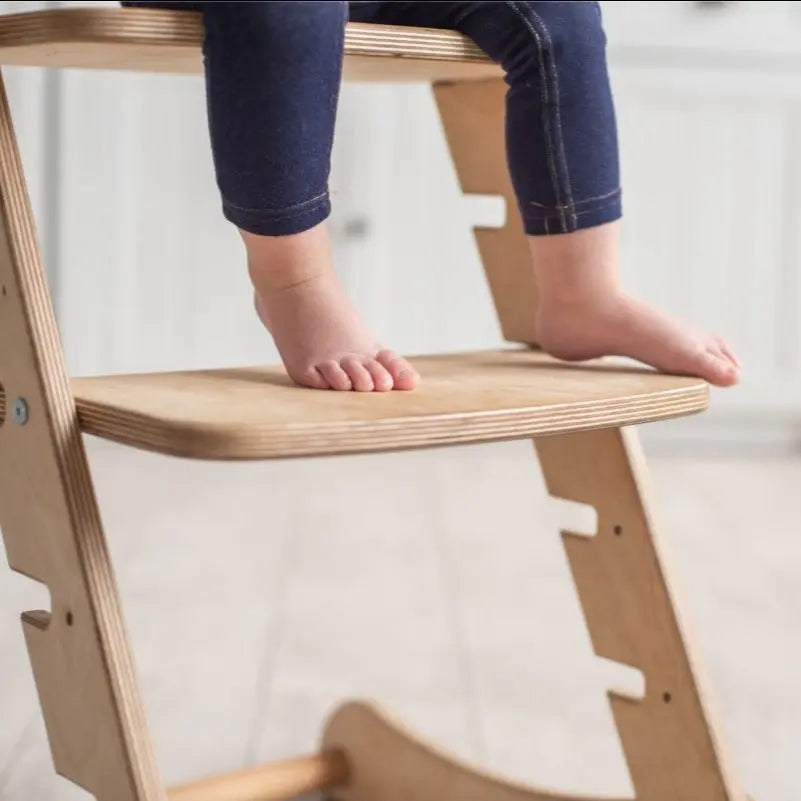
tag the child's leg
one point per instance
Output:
(563, 159)
(272, 77)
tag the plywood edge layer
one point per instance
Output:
(53, 38)
(221, 441)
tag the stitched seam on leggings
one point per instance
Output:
(559, 133)
(576, 215)
(546, 123)
(273, 217)
(283, 210)
(577, 203)
(546, 76)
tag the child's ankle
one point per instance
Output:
(578, 301)
(270, 279)
(282, 262)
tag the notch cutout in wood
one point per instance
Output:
(579, 519)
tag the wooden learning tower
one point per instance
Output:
(579, 418)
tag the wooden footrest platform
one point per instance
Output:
(256, 412)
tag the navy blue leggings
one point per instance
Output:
(273, 72)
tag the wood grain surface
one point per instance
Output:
(52, 530)
(672, 744)
(280, 780)
(256, 412)
(388, 763)
(474, 112)
(153, 40)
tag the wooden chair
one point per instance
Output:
(576, 415)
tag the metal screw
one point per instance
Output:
(19, 411)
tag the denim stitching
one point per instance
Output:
(559, 134)
(578, 202)
(597, 197)
(577, 214)
(545, 217)
(271, 216)
(555, 76)
(546, 123)
(283, 210)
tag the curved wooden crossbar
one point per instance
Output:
(387, 763)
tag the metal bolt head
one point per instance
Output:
(19, 411)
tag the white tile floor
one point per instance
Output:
(257, 595)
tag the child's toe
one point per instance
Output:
(404, 376)
(717, 368)
(334, 375)
(382, 380)
(726, 350)
(310, 377)
(359, 375)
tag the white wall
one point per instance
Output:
(33, 96)
(150, 277)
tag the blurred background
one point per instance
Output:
(434, 580)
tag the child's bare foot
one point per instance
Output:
(583, 313)
(625, 326)
(323, 342)
(321, 338)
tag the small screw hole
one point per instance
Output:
(666, 697)
(618, 530)
(69, 618)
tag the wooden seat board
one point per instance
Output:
(153, 40)
(257, 413)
